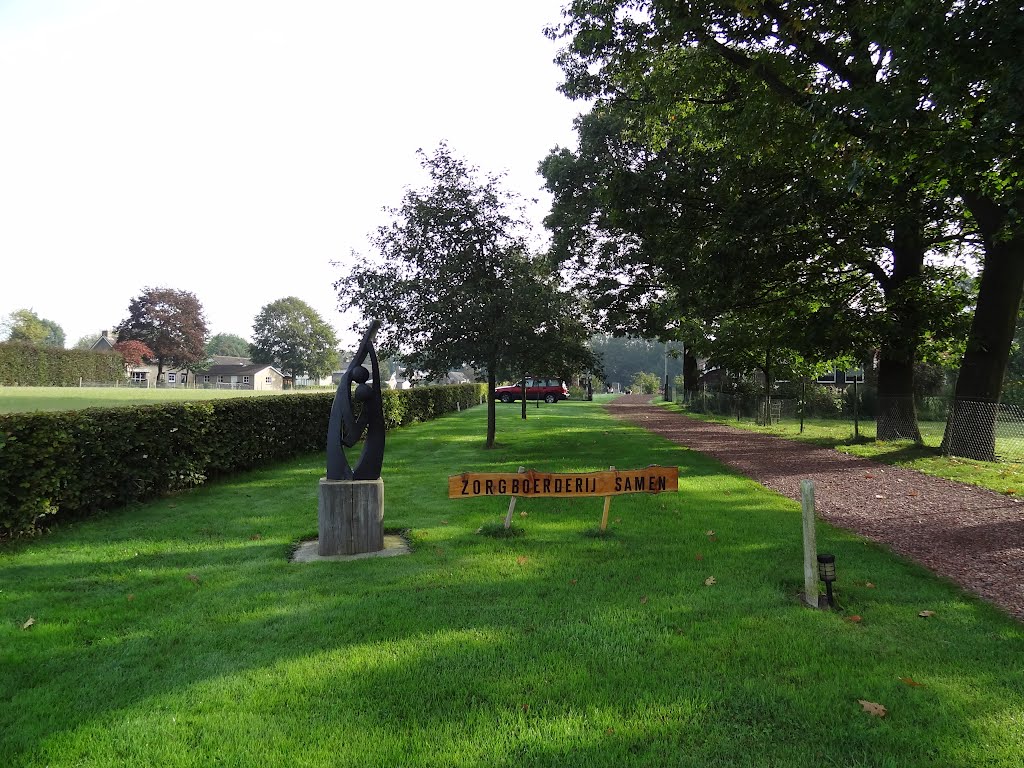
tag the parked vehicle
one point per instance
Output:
(548, 390)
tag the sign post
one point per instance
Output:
(607, 506)
(512, 506)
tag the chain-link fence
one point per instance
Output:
(986, 431)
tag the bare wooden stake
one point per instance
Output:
(810, 543)
(607, 506)
(512, 505)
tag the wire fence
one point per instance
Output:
(988, 431)
(151, 384)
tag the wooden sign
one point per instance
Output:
(532, 484)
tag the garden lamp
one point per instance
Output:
(827, 573)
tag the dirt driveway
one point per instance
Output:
(973, 536)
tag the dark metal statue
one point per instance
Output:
(345, 429)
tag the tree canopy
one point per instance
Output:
(171, 323)
(897, 126)
(227, 344)
(291, 335)
(455, 282)
(133, 351)
(88, 341)
(26, 326)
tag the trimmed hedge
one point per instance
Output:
(75, 463)
(28, 365)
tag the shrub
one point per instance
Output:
(30, 365)
(820, 401)
(75, 463)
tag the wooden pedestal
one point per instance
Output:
(351, 517)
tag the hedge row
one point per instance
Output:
(27, 365)
(75, 463)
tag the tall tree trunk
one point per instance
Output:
(970, 430)
(523, 393)
(491, 381)
(689, 371)
(897, 413)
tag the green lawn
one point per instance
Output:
(22, 399)
(1003, 476)
(177, 633)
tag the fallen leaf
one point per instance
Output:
(193, 578)
(521, 559)
(1011, 491)
(699, 556)
(855, 619)
(643, 600)
(573, 581)
(911, 682)
(610, 731)
(873, 709)
(524, 707)
(131, 597)
(522, 514)
(28, 623)
(709, 581)
(868, 475)
(709, 533)
(926, 614)
(869, 585)
(912, 493)
(618, 519)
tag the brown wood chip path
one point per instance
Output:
(971, 535)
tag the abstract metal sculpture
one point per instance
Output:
(345, 429)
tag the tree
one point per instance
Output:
(675, 237)
(228, 345)
(87, 342)
(134, 352)
(171, 323)
(26, 326)
(291, 335)
(645, 383)
(622, 357)
(922, 97)
(455, 282)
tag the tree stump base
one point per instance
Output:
(351, 517)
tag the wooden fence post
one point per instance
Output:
(810, 543)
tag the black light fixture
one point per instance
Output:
(827, 573)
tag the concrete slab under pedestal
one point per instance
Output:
(393, 545)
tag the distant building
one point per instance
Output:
(105, 343)
(257, 376)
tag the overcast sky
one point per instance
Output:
(235, 148)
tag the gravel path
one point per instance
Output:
(973, 536)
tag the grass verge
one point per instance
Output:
(1003, 477)
(177, 633)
